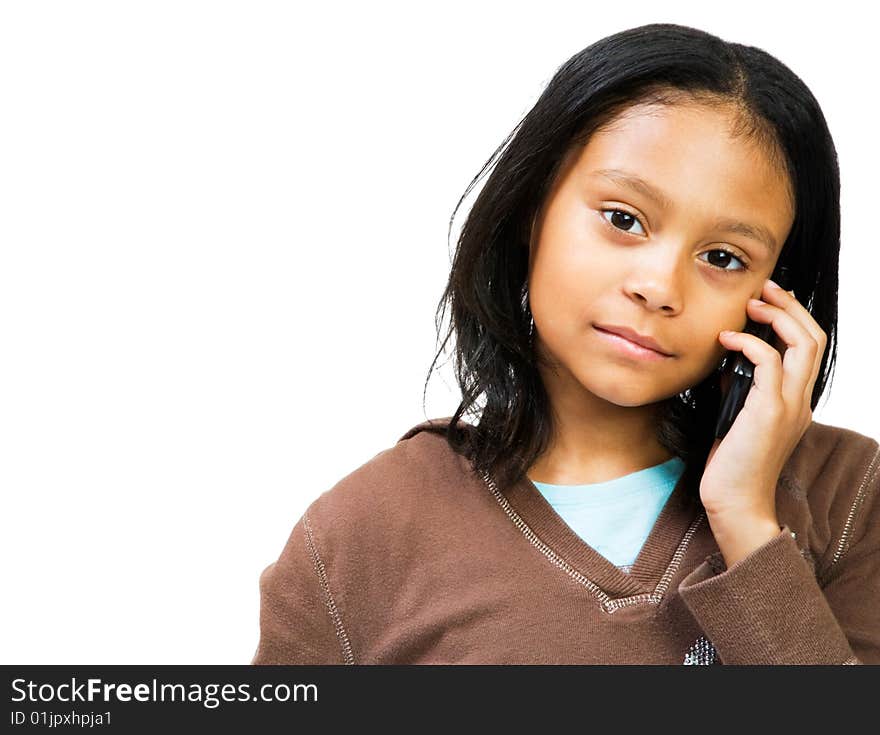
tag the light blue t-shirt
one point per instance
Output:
(615, 517)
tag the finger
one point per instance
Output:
(787, 301)
(772, 293)
(799, 361)
(766, 359)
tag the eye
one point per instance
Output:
(726, 260)
(625, 221)
(622, 223)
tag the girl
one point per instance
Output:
(590, 514)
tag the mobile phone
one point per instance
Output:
(739, 370)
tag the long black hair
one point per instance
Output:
(660, 63)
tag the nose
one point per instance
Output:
(655, 303)
(655, 289)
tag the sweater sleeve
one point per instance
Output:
(770, 608)
(299, 622)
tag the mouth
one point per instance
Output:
(627, 348)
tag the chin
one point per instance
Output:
(631, 398)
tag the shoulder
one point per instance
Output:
(834, 474)
(392, 489)
(831, 458)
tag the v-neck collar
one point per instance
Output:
(657, 560)
(651, 573)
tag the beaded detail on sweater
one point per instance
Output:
(701, 653)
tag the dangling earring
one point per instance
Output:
(527, 307)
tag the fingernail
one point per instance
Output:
(773, 284)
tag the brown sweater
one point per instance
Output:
(413, 558)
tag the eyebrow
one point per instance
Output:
(722, 224)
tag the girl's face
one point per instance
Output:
(607, 252)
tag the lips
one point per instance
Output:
(633, 336)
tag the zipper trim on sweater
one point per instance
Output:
(843, 546)
(345, 643)
(608, 604)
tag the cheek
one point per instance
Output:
(697, 341)
(735, 319)
(700, 346)
(567, 272)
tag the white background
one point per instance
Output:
(223, 237)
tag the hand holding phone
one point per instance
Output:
(739, 371)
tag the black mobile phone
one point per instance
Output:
(739, 370)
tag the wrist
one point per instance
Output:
(740, 536)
